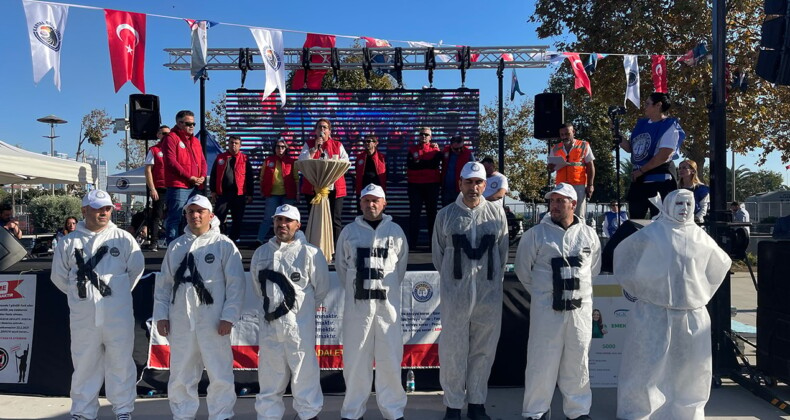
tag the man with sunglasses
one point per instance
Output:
(185, 170)
(371, 166)
(456, 155)
(422, 172)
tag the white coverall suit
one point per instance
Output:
(196, 270)
(674, 268)
(371, 265)
(470, 249)
(556, 267)
(102, 327)
(296, 279)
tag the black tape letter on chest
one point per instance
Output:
(364, 272)
(86, 272)
(289, 294)
(562, 284)
(194, 278)
(486, 249)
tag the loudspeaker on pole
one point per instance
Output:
(549, 115)
(144, 117)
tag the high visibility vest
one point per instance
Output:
(575, 173)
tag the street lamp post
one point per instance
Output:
(52, 120)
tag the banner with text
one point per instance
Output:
(611, 306)
(17, 315)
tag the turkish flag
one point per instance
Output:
(374, 43)
(314, 77)
(126, 37)
(660, 73)
(582, 80)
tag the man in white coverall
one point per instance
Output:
(371, 258)
(97, 266)
(666, 368)
(555, 261)
(292, 278)
(470, 246)
(197, 299)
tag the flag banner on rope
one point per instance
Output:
(514, 86)
(378, 58)
(270, 44)
(632, 79)
(126, 39)
(314, 77)
(592, 63)
(46, 24)
(659, 73)
(582, 80)
(199, 46)
(694, 56)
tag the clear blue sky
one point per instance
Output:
(87, 80)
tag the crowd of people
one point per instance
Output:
(201, 284)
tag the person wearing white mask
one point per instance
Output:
(197, 299)
(666, 367)
(555, 261)
(470, 246)
(371, 258)
(97, 266)
(291, 277)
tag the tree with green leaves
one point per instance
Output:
(525, 166)
(756, 119)
(93, 129)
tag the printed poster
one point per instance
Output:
(17, 315)
(611, 306)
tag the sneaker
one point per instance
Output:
(545, 416)
(78, 417)
(123, 416)
(452, 414)
(477, 412)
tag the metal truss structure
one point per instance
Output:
(379, 58)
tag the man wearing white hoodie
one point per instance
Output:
(197, 299)
(371, 258)
(292, 278)
(97, 266)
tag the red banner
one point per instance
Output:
(126, 38)
(659, 73)
(314, 77)
(582, 80)
(8, 289)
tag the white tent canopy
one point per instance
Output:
(19, 166)
(132, 182)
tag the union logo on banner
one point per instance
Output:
(48, 34)
(8, 289)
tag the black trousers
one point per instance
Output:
(237, 205)
(157, 215)
(336, 207)
(420, 194)
(639, 194)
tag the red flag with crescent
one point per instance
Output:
(126, 37)
(314, 77)
(582, 80)
(660, 73)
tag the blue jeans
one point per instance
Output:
(175, 223)
(271, 204)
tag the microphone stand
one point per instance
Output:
(617, 139)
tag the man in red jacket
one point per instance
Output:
(323, 146)
(371, 166)
(231, 185)
(422, 173)
(155, 180)
(455, 157)
(185, 170)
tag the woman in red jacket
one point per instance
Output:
(278, 184)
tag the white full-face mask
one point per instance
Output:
(679, 206)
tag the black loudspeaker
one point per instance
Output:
(625, 230)
(549, 115)
(773, 312)
(144, 117)
(11, 250)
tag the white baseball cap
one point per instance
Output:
(289, 211)
(374, 190)
(473, 170)
(199, 200)
(563, 189)
(97, 199)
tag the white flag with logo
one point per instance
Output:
(420, 44)
(46, 24)
(270, 43)
(632, 80)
